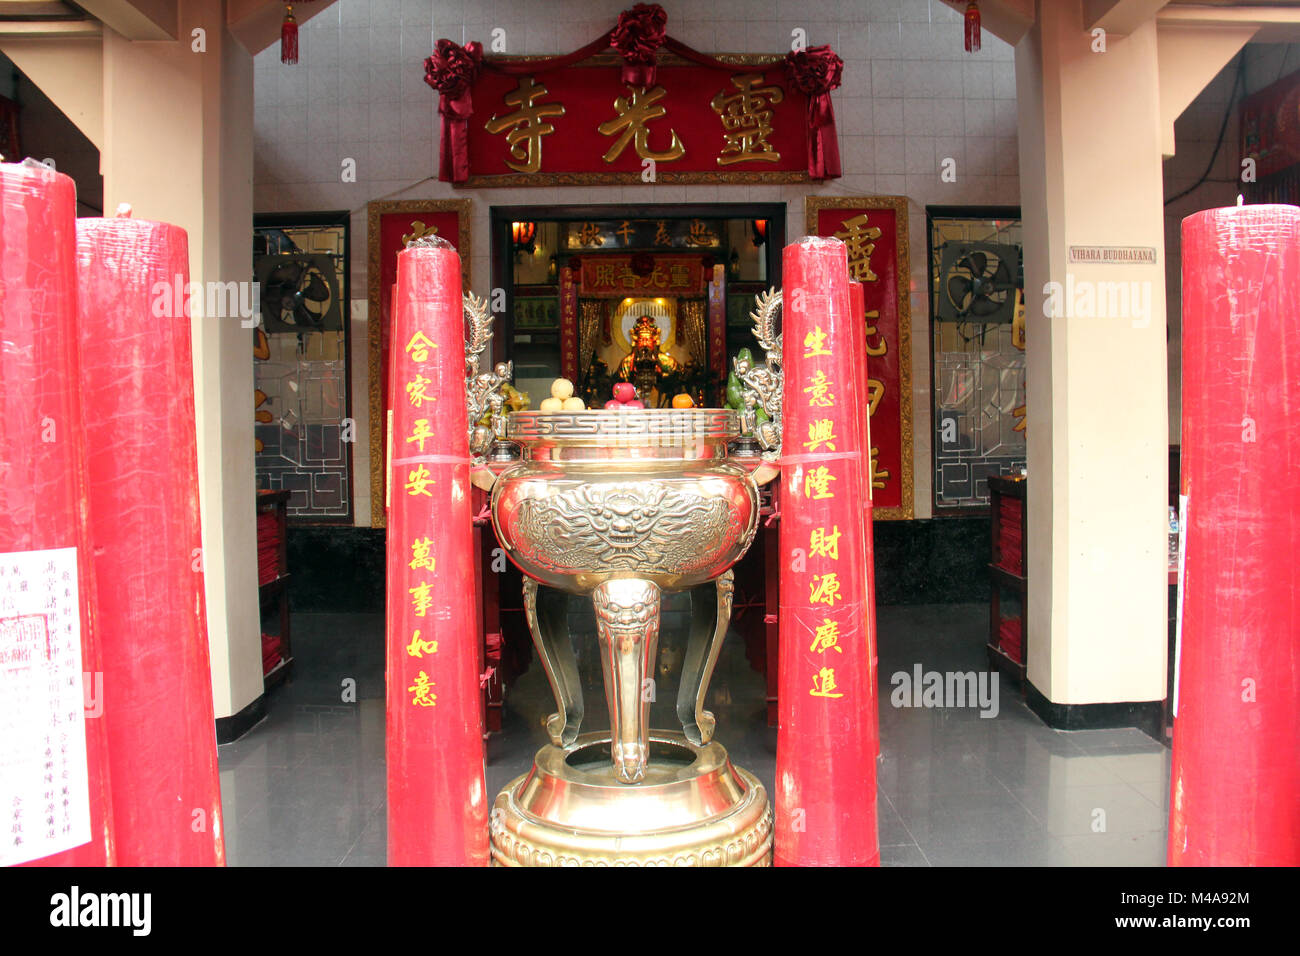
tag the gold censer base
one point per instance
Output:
(693, 808)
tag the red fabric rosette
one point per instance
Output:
(451, 70)
(816, 71)
(638, 35)
(643, 264)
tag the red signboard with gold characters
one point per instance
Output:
(874, 231)
(390, 225)
(634, 105)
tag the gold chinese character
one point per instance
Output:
(860, 239)
(420, 433)
(526, 124)
(878, 475)
(418, 231)
(605, 274)
(815, 343)
(418, 481)
(821, 391)
(679, 276)
(820, 432)
(627, 231)
(825, 589)
(821, 544)
(827, 637)
(875, 392)
(421, 598)
(824, 683)
(589, 235)
(662, 236)
(747, 120)
(883, 347)
(419, 347)
(633, 114)
(700, 234)
(423, 691)
(422, 554)
(417, 390)
(817, 483)
(418, 647)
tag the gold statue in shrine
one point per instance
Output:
(648, 362)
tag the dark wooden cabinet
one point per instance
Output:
(272, 585)
(1008, 645)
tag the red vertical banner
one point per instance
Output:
(437, 804)
(826, 747)
(1236, 764)
(718, 327)
(135, 347)
(570, 276)
(55, 801)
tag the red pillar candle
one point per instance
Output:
(1236, 764)
(826, 747)
(437, 805)
(862, 405)
(54, 779)
(137, 394)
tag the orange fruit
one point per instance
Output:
(683, 401)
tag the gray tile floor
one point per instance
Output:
(306, 786)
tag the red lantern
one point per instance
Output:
(972, 27)
(759, 227)
(522, 234)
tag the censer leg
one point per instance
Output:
(711, 606)
(627, 624)
(555, 650)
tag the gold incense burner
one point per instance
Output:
(622, 506)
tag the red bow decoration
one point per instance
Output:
(638, 35)
(816, 71)
(642, 264)
(451, 70)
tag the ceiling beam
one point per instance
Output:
(1272, 24)
(1119, 17)
(136, 19)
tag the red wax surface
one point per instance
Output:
(42, 456)
(437, 800)
(1235, 798)
(826, 746)
(137, 390)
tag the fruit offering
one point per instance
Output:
(562, 398)
(683, 401)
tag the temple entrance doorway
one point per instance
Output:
(658, 296)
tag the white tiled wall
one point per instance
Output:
(911, 97)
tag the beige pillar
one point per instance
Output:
(178, 132)
(1090, 174)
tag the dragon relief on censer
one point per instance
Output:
(627, 528)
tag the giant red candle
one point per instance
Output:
(1236, 762)
(826, 746)
(54, 778)
(137, 391)
(437, 805)
(862, 406)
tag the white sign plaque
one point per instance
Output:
(44, 778)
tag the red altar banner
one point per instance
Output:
(437, 804)
(612, 277)
(569, 277)
(628, 117)
(874, 231)
(389, 226)
(826, 744)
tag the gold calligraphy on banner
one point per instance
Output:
(861, 242)
(634, 112)
(747, 120)
(526, 125)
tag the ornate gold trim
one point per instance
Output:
(663, 59)
(814, 205)
(662, 177)
(374, 356)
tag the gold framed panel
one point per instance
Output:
(374, 317)
(813, 205)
